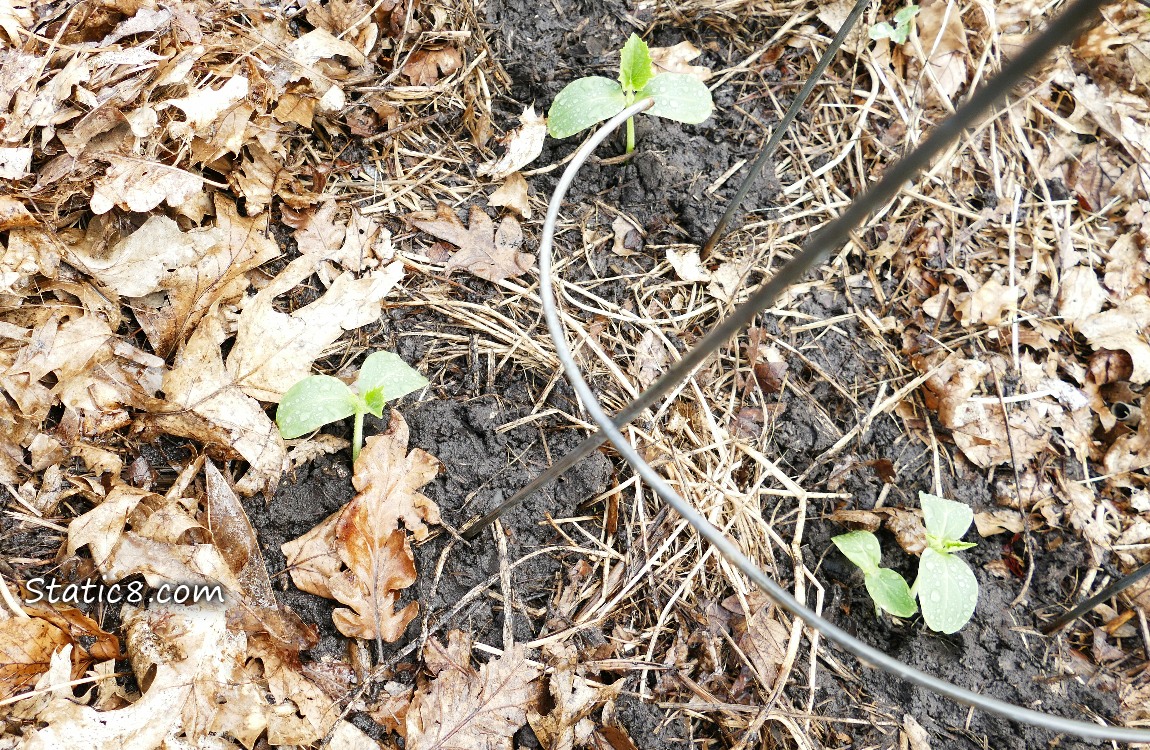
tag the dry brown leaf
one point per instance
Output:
(942, 38)
(274, 350)
(257, 178)
(137, 185)
(253, 606)
(15, 16)
(361, 555)
(628, 237)
(651, 358)
(1121, 329)
(199, 683)
(26, 648)
(977, 425)
(206, 404)
(15, 162)
(761, 636)
(426, 66)
(568, 725)
(470, 709)
(524, 144)
(238, 245)
(989, 523)
(915, 735)
(987, 304)
(675, 59)
(687, 265)
(1081, 296)
(204, 105)
(511, 194)
(483, 251)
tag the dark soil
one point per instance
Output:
(663, 186)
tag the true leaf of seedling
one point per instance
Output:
(889, 590)
(583, 103)
(678, 96)
(946, 520)
(947, 591)
(635, 67)
(313, 402)
(385, 376)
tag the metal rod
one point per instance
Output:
(1112, 590)
(781, 129)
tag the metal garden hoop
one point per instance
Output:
(1060, 31)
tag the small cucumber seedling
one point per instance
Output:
(321, 399)
(582, 103)
(900, 31)
(946, 588)
(886, 587)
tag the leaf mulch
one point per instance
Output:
(205, 202)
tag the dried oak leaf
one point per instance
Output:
(470, 709)
(484, 251)
(360, 555)
(205, 403)
(274, 350)
(426, 66)
(26, 648)
(568, 725)
(253, 607)
(1121, 329)
(675, 59)
(138, 185)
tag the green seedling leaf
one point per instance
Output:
(947, 591)
(905, 16)
(384, 377)
(313, 402)
(881, 31)
(886, 587)
(861, 548)
(635, 68)
(679, 97)
(583, 103)
(945, 520)
(889, 591)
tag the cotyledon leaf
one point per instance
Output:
(313, 402)
(583, 103)
(861, 548)
(947, 591)
(385, 377)
(889, 590)
(678, 96)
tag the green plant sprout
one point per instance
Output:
(900, 32)
(886, 587)
(946, 588)
(582, 103)
(321, 399)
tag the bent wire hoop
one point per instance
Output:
(1060, 31)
